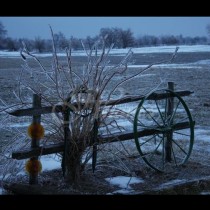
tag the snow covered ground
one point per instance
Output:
(124, 183)
(175, 65)
(50, 162)
(202, 134)
(121, 52)
(175, 181)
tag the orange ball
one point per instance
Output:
(36, 131)
(33, 166)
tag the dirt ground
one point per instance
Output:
(193, 79)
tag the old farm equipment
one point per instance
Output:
(163, 129)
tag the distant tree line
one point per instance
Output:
(121, 39)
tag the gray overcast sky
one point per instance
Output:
(80, 27)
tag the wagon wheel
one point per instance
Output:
(163, 130)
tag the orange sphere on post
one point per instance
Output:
(36, 131)
(33, 166)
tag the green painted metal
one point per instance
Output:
(164, 129)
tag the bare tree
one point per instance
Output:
(121, 38)
(12, 44)
(109, 34)
(3, 31)
(90, 41)
(208, 30)
(61, 42)
(127, 38)
(75, 43)
(39, 44)
(3, 34)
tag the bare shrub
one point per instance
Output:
(84, 92)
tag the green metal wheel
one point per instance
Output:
(163, 130)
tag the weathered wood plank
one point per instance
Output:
(153, 96)
(146, 132)
(27, 153)
(56, 148)
(36, 111)
(128, 99)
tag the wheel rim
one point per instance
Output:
(169, 133)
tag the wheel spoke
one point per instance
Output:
(142, 125)
(181, 133)
(179, 147)
(165, 110)
(151, 116)
(184, 119)
(155, 151)
(147, 140)
(172, 117)
(159, 112)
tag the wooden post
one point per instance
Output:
(169, 135)
(66, 114)
(33, 178)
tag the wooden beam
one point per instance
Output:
(56, 148)
(153, 96)
(36, 111)
(27, 153)
(146, 132)
(128, 99)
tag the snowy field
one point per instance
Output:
(121, 52)
(202, 133)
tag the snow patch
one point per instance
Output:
(205, 193)
(50, 162)
(124, 182)
(182, 48)
(171, 66)
(147, 75)
(164, 49)
(19, 125)
(122, 52)
(203, 62)
(9, 54)
(172, 182)
(122, 191)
